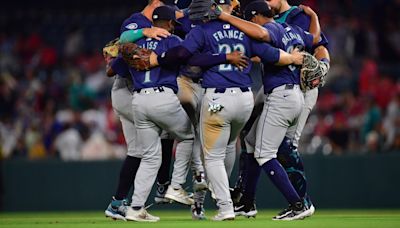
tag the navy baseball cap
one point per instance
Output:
(257, 7)
(223, 2)
(164, 13)
(170, 2)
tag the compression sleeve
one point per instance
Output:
(131, 36)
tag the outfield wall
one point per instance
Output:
(367, 181)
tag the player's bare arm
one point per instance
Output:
(296, 58)
(322, 52)
(315, 28)
(251, 29)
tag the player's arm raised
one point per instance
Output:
(131, 36)
(251, 29)
(315, 28)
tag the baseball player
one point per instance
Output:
(288, 155)
(228, 100)
(121, 95)
(156, 108)
(130, 30)
(189, 94)
(282, 107)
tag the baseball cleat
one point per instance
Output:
(312, 210)
(297, 211)
(117, 209)
(160, 193)
(282, 214)
(140, 215)
(198, 212)
(224, 216)
(246, 209)
(179, 195)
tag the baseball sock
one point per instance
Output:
(127, 176)
(251, 176)
(164, 171)
(280, 179)
(290, 159)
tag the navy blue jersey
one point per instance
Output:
(157, 76)
(120, 67)
(287, 38)
(296, 16)
(186, 26)
(218, 37)
(135, 21)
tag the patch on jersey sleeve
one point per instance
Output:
(132, 26)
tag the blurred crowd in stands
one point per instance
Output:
(55, 97)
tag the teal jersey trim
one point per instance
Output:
(281, 18)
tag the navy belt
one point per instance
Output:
(287, 86)
(222, 90)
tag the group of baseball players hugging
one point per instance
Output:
(195, 91)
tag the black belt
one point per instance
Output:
(157, 89)
(287, 86)
(222, 90)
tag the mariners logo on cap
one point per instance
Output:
(155, 16)
(222, 1)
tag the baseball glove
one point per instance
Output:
(135, 56)
(111, 48)
(313, 73)
(203, 10)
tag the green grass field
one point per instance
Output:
(322, 218)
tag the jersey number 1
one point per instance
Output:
(147, 77)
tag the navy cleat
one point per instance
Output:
(296, 211)
(117, 209)
(246, 209)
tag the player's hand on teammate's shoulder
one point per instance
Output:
(307, 10)
(156, 33)
(297, 56)
(237, 59)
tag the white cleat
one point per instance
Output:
(179, 195)
(140, 215)
(224, 216)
